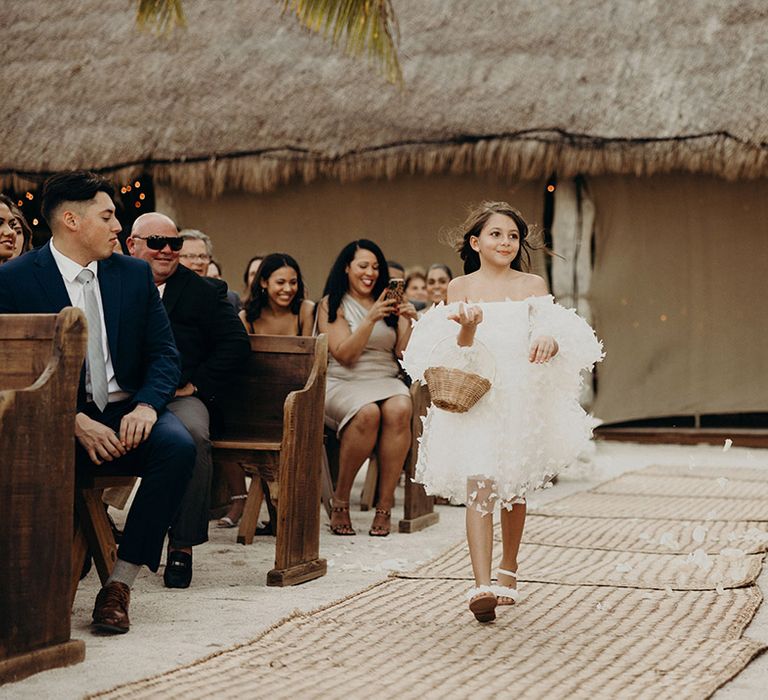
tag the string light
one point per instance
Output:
(30, 196)
(550, 188)
(21, 202)
(142, 196)
(35, 222)
(663, 317)
(137, 205)
(127, 188)
(137, 184)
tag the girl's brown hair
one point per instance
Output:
(473, 224)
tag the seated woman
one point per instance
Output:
(7, 233)
(276, 306)
(438, 277)
(365, 402)
(416, 288)
(276, 303)
(20, 226)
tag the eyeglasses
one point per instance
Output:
(191, 256)
(159, 242)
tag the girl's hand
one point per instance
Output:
(381, 308)
(468, 317)
(543, 349)
(408, 310)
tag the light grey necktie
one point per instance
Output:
(97, 365)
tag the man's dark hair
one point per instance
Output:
(72, 186)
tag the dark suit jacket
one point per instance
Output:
(210, 337)
(141, 344)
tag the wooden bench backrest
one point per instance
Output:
(25, 348)
(40, 361)
(251, 404)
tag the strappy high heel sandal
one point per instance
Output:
(482, 603)
(382, 528)
(343, 525)
(506, 594)
(227, 521)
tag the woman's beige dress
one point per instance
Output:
(374, 377)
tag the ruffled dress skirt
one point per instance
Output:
(529, 426)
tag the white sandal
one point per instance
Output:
(226, 521)
(505, 594)
(482, 603)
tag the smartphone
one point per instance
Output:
(396, 289)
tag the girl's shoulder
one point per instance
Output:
(459, 284)
(535, 285)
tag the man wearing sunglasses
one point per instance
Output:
(213, 344)
(130, 373)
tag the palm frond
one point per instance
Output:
(160, 15)
(363, 26)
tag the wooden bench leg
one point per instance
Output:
(95, 525)
(327, 494)
(298, 521)
(79, 553)
(419, 509)
(368, 495)
(250, 519)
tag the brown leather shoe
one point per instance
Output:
(110, 613)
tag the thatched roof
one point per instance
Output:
(246, 99)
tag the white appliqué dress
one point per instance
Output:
(529, 426)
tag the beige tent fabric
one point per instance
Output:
(678, 296)
(313, 222)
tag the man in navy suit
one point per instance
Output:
(131, 371)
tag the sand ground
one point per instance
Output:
(229, 602)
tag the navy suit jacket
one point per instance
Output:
(141, 344)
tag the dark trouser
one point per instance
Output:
(164, 462)
(190, 526)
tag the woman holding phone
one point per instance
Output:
(368, 325)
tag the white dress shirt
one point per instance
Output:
(69, 270)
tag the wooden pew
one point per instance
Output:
(41, 356)
(418, 508)
(269, 420)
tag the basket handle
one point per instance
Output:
(492, 378)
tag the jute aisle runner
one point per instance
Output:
(640, 588)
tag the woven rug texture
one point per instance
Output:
(640, 588)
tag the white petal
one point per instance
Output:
(667, 539)
(727, 444)
(699, 534)
(702, 560)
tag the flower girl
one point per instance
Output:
(529, 425)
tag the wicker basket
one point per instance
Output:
(455, 390)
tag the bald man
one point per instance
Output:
(213, 344)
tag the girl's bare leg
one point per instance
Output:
(357, 442)
(480, 530)
(394, 443)
(512, 524)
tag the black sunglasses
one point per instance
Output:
(159, 242)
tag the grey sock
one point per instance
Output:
(124, 572)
